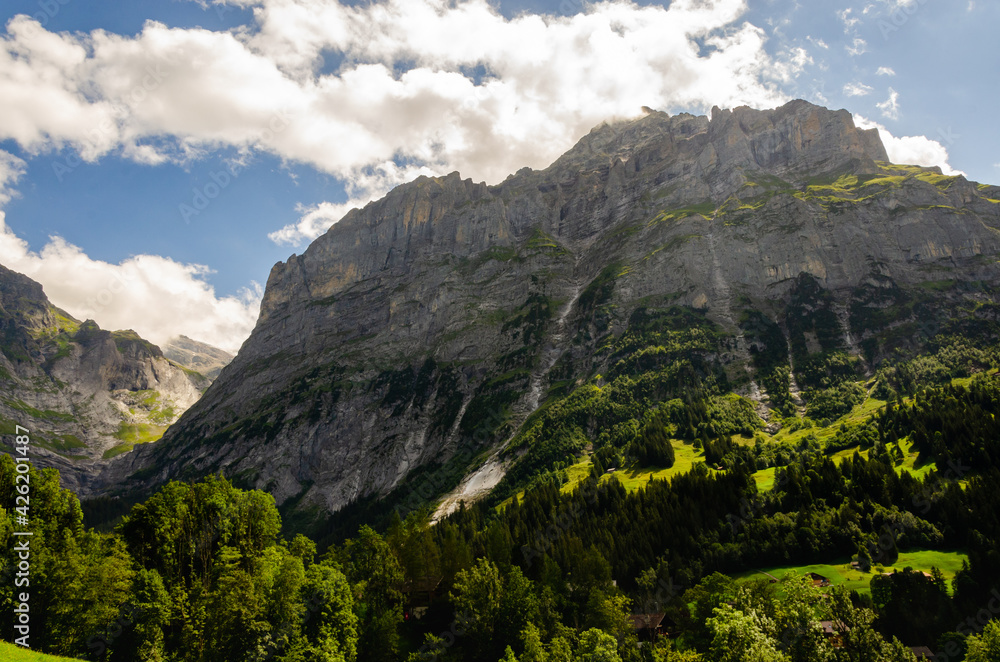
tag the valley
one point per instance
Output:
(511, 422)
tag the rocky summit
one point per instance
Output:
(85, 393)
(416, 350)
(198, 356)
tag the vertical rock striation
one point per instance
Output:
(418, 333)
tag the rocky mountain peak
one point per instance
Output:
(688, 159)
(22, 302)
(87, 392)
(198, 356)
(797, 138)
(420, 334)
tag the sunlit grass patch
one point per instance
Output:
(635, 478)
(12, 653)
(840, 571)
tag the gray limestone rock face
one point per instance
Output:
(197, 356)
(80, 390)
(415, 334)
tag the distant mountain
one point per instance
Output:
(84, 393)
(446, 339)
(197, 356)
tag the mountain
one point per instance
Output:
(197, 356)
(85, 393)
(455, 338)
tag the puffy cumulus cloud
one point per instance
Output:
(911, 150)
(43, 81)
(885, 71)
(352, 89)
(155, 296)
(548, 80)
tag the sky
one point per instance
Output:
(157, 157)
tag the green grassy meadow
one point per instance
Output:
(840, 571)
(12, 653)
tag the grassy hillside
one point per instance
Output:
(841, 572)
(12, 653)
(794, 433)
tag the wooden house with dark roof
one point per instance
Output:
(650, 626)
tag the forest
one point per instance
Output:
(639, 508)
(204, 570)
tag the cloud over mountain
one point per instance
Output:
(378, 93)
(155, 296)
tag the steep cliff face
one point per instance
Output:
(85, 393)
(419, 333)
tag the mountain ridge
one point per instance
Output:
(419, 329)
(198, 356)
(85, 393)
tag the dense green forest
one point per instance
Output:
(640, 503)
(203, 571)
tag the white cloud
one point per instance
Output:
(857, 89)
(315, 220)
(795, 60)
(885, 71)
(911, 150)
(890, 107)
(155, 296)
(857, 47)
(401, 94)
(849, 21)
(399, 104)
(11, 169)
(365, 187)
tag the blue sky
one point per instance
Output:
(122, 124)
